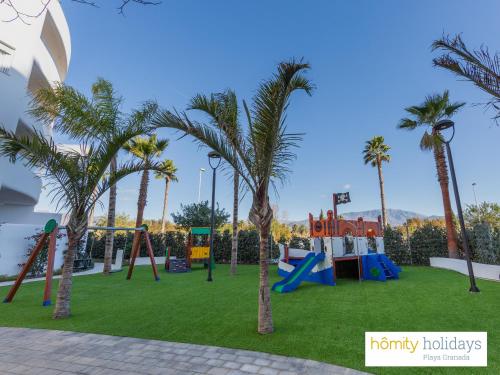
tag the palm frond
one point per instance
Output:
(204, 135)
(70, 111)
(430, 141)
(478, 66)
(269, 138)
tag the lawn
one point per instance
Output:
(318, 322)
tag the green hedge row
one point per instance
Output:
(430, 241)
(248, 246)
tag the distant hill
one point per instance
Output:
(394, 216)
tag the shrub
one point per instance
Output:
(396, 248)
(248, 245)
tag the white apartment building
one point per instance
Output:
(32, 55)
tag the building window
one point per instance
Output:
(6, 53)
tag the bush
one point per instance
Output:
(248, 245)
(485, 244)
(300, 243)
(396, 248)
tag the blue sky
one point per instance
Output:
(370, 59)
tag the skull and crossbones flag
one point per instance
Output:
(342, 198)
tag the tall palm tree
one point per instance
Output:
(145, 149)
(375, 153)
(477, 66)
(78, 180)
(222, 108)
(435, 108)
(168, 173)
(263, 155)
(84, 119)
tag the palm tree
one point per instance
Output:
(84, 119)
(145, 149)
(478, 66)
(222, 108)
(78, 179)
(261, 154)
(435, 108)
(375, 153)
(167, 172)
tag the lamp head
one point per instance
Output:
(213, 155)
(214, 159)
(444, 124)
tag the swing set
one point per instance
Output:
(50, 232)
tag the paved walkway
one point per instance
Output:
(34, 351)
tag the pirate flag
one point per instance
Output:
(342, 198)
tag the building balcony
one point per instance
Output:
(18, 184)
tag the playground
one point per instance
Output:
(183, 307)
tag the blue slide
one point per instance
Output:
(302, 269)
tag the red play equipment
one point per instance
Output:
(142, 232)
(50, 231)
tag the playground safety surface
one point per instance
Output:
(48, 352)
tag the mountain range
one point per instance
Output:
(394, 216)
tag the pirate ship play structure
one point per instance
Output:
(340, 248)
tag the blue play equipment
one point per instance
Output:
(379, 267)
(299, 274)
(372, 266)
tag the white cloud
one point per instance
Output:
(347, 186)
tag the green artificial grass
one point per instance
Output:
(319, 322)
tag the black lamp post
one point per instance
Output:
(440, 126)
(214, 160)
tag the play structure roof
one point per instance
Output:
(200, 230)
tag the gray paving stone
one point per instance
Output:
(252, 369)
(37, 352)
(232, 365)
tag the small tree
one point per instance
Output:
(375, 153)
(78, 180)
(261, 154)
(222, 109)
(146, 149)
(168, 173)
(485, 212)
(198, 215)
(435, 108)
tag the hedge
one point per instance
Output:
(425, 242)
(248, 245)
(430, 241)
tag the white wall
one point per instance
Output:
(482, 271)
(14, 245)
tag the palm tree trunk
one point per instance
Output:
(442, 171)
(141, 204)
(265, 324)
(63, 308)
(261, 215)
(382, 192)
(165, 206)
(234, 242)
(108, 250)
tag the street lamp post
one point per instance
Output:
(214, 160)
(199, 185)
(440, 126)
(474, 191)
